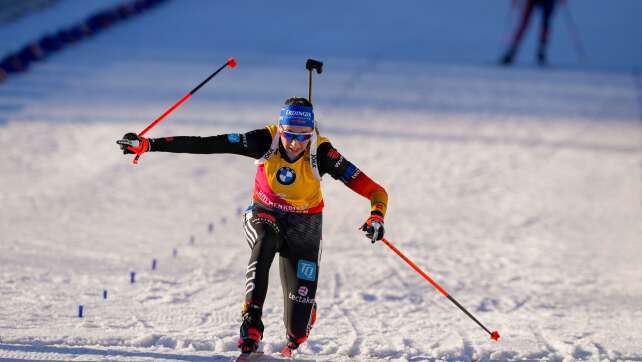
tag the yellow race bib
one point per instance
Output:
(288, 186)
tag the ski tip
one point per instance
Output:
(249, 357)
(231, 62)
(494, 336)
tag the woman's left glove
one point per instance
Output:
(373, 228)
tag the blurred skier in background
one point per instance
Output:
(285, 213)
(547, 7)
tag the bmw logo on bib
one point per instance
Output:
(286, 176)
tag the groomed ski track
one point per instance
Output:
(518, 190)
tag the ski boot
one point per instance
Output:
(292, 342)
(508, 58)
(292, 345)
(541, 57)
(251, 329)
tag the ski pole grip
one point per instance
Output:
(138, 151)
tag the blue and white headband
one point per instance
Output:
(297, 116)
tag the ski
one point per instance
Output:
(249, 357)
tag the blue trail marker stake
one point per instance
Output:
(104, 293)
(132, 277)
(153, 264)
(80, 308)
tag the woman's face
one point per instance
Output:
(295, 138)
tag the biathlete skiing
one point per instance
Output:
(547, 7)
(285, 215)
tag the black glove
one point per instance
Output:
(373, 228)
(131, 143)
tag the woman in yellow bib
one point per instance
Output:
(285, 215)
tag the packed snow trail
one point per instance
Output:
(531, 222)
(518, 190)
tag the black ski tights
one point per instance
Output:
(297, 239)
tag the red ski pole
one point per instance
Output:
(231, 62)
(494, 335)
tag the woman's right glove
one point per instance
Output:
(373, 227)
(131, 143)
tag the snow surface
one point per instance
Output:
(518, 190)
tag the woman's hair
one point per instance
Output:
(298, 101)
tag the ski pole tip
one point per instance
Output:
(231, 62)
(494, 336)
